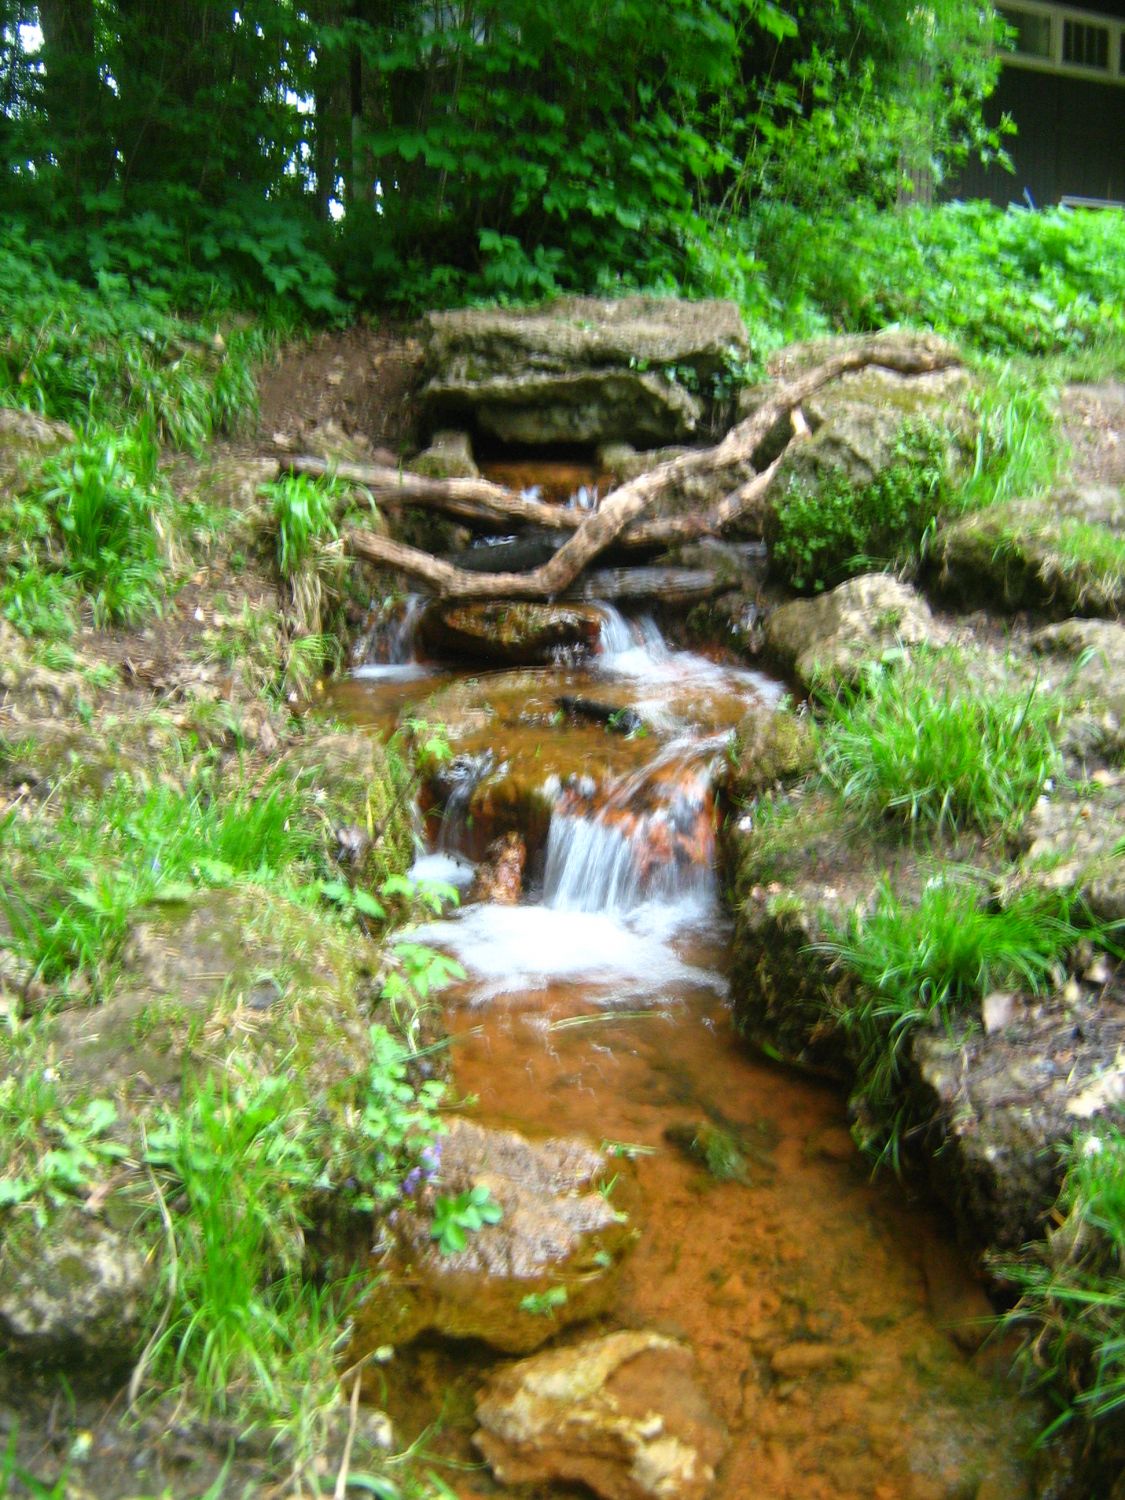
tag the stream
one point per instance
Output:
(817, 1302)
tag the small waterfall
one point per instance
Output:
(390, 640)
(651, 840)
(459, 779)
(625, 643)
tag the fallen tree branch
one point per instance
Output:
(624, 505)
(469, 499)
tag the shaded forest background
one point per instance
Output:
(415, 152)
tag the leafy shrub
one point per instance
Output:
(1001, 281)
(926, 746)
(837, 529)
(118, 353)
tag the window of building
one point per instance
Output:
(1033, 32)
(1085, 46)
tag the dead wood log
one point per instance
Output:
(667, 585)
(468, 499)
(624, 505)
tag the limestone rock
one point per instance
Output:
(1073, 841)
(508, 632)
(449, 456)
(557, 1231)
(621, 1414)
(74, 1288)
(1001, 1107)
(580, 369)
(831, 638)
(1061, 554)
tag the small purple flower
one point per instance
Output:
(431, 1158)
(412, 1182)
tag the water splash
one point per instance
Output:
(650, 839)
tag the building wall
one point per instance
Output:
(1071, 122)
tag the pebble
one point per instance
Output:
(804, 1359)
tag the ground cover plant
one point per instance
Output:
(928, 963)
(922, 745)
(1071, 1309)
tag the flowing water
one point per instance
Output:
(599, 1008)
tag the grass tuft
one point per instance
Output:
(925, 964)
(925, 746)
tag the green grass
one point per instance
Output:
(84, 874)
(928, 963)
(1071, 1313)
(1017, 451)
(932, 749)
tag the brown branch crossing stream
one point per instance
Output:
(817, 1303)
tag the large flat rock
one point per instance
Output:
(580, 369)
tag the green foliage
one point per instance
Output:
(1016, 452)
(118, 352)
(1071, 1311)
(238, 1156)
(304, 510)
(831, 530)
(923, 965)
(103, 501)
(931, 748)
(84, 875)
(456, 1218)
(398, 1124)
(1001, 281)
(53, 1153)
(545, 1304)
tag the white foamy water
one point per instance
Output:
(521, 950)
(453, 869)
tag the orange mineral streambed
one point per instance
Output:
(817, 1302)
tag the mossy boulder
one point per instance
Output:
(556, 1231)
(1064, 554)
(831, 639)
(243, 977)
(1001, 1101)
(771, 748)
(74, 1288)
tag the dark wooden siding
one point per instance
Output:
(1071, 140)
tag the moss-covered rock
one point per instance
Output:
(509, 632)
(556, 1231)
(449, 456)
(1064, 554)
(830, 639)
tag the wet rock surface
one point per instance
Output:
(508, 633)
(556, 1231)
(499, 876)
(73, 1288)
(579, 369)
(831, 638)
(621, 1414)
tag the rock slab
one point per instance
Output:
(621, 1414)
(580, 369)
